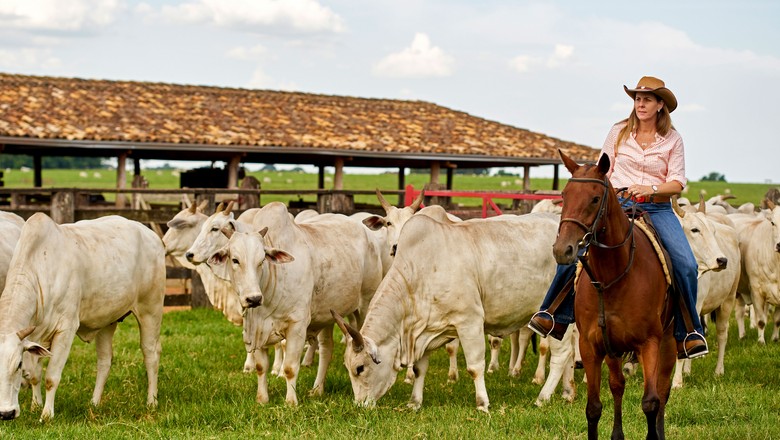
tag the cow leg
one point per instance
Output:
(452, 352)
(722, 332)
(759, 309)
(105, 352)
(677, 380)
(541, 365)
(514, 347)
(776, 328)
(276, 370)
(325, 340)
(473, 342)
(739, 314)
(421, 365)
(249, 363)
(495, 351)
(561, 363)
(149, 328)
(35, 371)
(296, 338)
(60, 350)
(260, 359)
(523, 338)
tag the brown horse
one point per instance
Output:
(621, 296)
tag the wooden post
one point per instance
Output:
(37, 171)
(526, 178)
(435, 168)
(556, 182)
(121, 179)
(320, 177)
(401, 185)
(338, 175)
(63, 207)
(233, 165)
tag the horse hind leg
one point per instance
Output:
(617, 385)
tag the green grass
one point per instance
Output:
(203, 394)
(291, 181)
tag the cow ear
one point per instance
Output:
(219, 257)
(229, 229)
(374, 222)
(35, 349)
(278, 256)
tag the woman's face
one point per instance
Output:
(647, 106)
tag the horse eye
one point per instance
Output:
(359, 370)
(595, 200)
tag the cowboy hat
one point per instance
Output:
(656, 87)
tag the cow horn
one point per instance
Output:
(220, 207)
(357, 339)
(728, 196)
(192, 208)
(203, 205)
(228, 208)
(702, 205)
(770, 204)
(25, 333)
(382, 201)
(417, 201)
(677, 208)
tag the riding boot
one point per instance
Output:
(694, 345)
(544, 322)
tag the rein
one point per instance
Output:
(590, 238)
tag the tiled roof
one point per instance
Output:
(69, 109)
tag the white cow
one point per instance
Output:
(716, 247)
(332, 268)
(78, 279)
(451, 280)
(10, 228)
(759, 239)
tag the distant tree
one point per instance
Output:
(268, 167)
(503, 172)
(714, 177)
(50, 162)
(297, 170)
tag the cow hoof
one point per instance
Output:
(415, 406)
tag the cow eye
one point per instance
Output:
(359, 370)
(214, 229)
(389, 224)
(234, 260)
(20, 366)
(695, 230)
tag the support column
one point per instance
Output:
(338, 175)
(401, 185)
(235, 162)
(321, 177)
(37, 171)
(556, 182)
(526, 178)
(435, 168)
(121, 179)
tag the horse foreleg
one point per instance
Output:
(651, 402)
(591, 362)
(667, 357)
(617, 385)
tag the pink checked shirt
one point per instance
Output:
(664, 161)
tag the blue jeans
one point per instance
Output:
(684, 267)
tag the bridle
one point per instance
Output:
(590, 238)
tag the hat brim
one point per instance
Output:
(665, 94)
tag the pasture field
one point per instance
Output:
(203, 394)
(290, 180)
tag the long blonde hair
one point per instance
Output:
(663, 123)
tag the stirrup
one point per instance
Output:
(697, 354)
(539, 331)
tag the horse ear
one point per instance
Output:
(604, 164)
(568, 163)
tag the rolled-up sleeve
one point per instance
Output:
(676, 166)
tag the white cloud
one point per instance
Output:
(57, 15)
(22, 59)
(521, 63)
(247, 53)
(262, 16)
(419, 60)
(559, 56)
(260, 80)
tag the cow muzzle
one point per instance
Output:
(253, 301)
(8, 415)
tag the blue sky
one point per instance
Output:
(554, 67)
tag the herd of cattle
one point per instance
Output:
(399, 286)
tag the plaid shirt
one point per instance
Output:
(664, 161)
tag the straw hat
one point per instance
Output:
(656, 87)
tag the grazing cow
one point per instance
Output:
(10, 228)
(716, 248)
(759, 241)
(450, 280)
(78, 279)
(328, 265)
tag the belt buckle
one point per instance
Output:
(640, 199)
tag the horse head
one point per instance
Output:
(586, 199)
